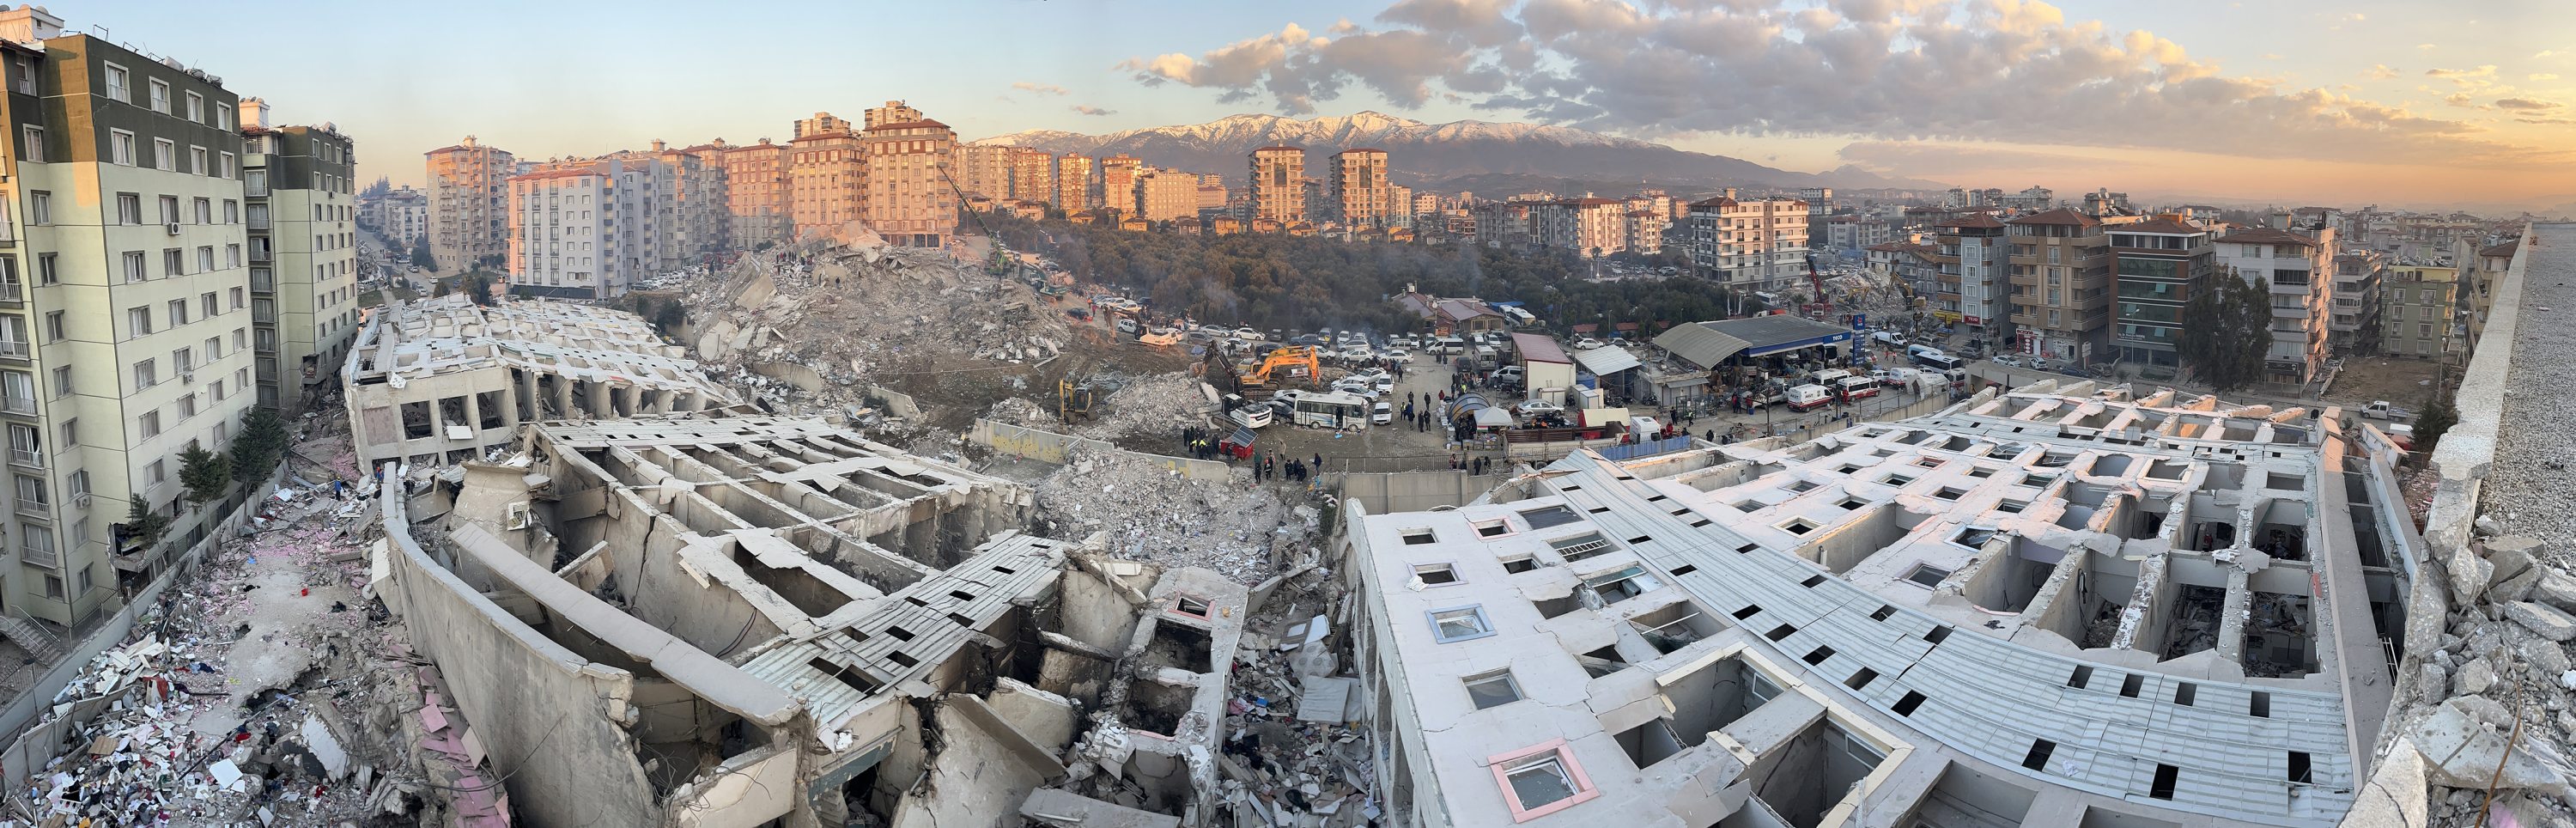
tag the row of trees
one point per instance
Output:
(208, 475)
(1305, 282)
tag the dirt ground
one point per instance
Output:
(1380, 448)
(2406, 382)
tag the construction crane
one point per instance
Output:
(1293, 362)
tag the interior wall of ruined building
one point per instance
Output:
(388, 423)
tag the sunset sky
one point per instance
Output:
(2339, 103)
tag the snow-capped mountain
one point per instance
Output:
(1422, 152)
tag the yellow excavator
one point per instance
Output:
(1296, 362)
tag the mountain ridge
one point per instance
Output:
(1426, 153)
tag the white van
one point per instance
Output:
(1805, 397)
(1447, 345)
(1332, 411)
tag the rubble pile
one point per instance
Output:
(1151, 513)
(2496, 701)
(1157, 404)
(1292, 752)
(263, 688)
(1021, 412)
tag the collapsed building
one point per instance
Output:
(705, 620)
(444, 380)
(2053, 606)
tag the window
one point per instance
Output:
(160, 95)
(169, 209)
(1493, 689)
(232, 211)
(117, 84)
(147, 373)
(34, 150)
(63, 381)
(129, 208)
(1459, 624)
(1418, 537)
(225, 168)
(26, 75)
(205, 257)
(134, 271)
(236, 298)
(120, 146)
(197, 113)
(138, 321)
(40, 207)
(173, 263)
(1436, 574)
(165, 155)
(223, 116)
(155, 473)
(53, 326)
(203, 211)
(232, 257)
(1927, 575)
(1542, 780)
(150, 423)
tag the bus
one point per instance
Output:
(1331, 410)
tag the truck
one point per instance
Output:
(2382, 410)
(1808, 397)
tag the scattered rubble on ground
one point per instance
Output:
(1021, 412)
(263, 688)
(1154, 514)
(2495, 703)
(1158, 404)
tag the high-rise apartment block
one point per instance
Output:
(1032, 175)
(1973, 259)
(1358, 188)
(297, 182)
(1165, 195)
(2066, 250)
(2355, 301)
(400, 215)
(984, 170)
(910, 199)
(469, 217)
(588, 228)
(1073, 183)
(758, 192)
(2158, 264)
(2297, 268)
(125, 308)
(1118, 174)
(1590, 227)
(826, 173)
(1751, 244)
(1278, 185)
(2418, 303)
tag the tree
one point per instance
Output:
(422, 258)
(672, 315)
(205, 473)
(261, 445)
(2227, 327)
(2437, 419)
(478, 287)
(142, 525)
(377, 188)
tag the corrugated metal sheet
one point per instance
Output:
(1701, 345)
(1606, 360)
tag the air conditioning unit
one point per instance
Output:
(80, 500)
(187, 378)
(173, 227)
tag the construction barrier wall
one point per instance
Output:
(30, 751)
(1389, 492)
(1048, 446)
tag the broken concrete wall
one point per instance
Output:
(746, 791)
(523, 691)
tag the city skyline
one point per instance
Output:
(2384, 103)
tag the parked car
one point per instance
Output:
(1587, 343)
(1399, 355)
(1381, 414)
(2008, 360)
(1247, 333)
(1532, 408)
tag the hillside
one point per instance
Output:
(1424, 153)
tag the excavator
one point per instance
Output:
(1293, 362)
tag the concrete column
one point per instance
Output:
(2231, 618)
(563, 398)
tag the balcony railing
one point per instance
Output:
(47, 558)
(16, 349)
(35, 507)
(258, 222)
(30, 458)
(13, 290)
(15, 404)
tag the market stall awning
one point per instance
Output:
(1493, 418)
(1706, 344)
(1605, 361)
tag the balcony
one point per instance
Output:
(13, 291)
(35, 507)
(263, 282)
(21, 406)
(16, 349)
(46, 558)
(27, 457)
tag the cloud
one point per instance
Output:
(1040, 88)
(1093, 110)
(2546, 53)
(2525, 104)
(1976, 70)
(2541, 76)
(2547, 120)
(2426, 46)
(2487, 71)
(2381, 72)
(2271, 56)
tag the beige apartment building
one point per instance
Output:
(1278, 185)
(1358, 189)
(1166, 195)
(298, 189)
(756, 192)
(1118, 174)
(826, 173)
(401, 216)
(1751, 244)
(983, 170)
(125, 308)
(469, 202)
(2061, 284)
(909, 197)
(1073, 183)
(697, 214)
(2297, 270)
(1032, 175)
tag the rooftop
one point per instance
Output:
(1708, 343)
(2061, 215)
(416, 340)
(2265, 235)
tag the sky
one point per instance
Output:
(2346, 103)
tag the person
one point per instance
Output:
(1319, 460)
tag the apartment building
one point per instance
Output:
(1750, 244)
(826, 173)
(2489, 271)
(2297, 269)
(2066, 250)
(400, 215)
(469, 202)
(2355, 326)
(1032, 176)
(1590, 227)
(2418, 305)
(983, 170)
(124, 307)
(1277, 184)
(2157, 265)
(1820, 208)
(1399, 206)
(1358, 188)
(1168, 195)
(1645, 230)
(910, 199)
(684, 213)
(298, 188)
(1073, 190)
(1117, 185)
(1972, 258)
(758, 189)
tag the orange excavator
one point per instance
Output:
(1296, 362)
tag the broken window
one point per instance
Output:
(487, 407)
(1493, 689)
(1550, 516)
(1436, 574)
(1799, 526)
(1622, 584)
(1492, 528)
(1189, 606)
(1545, 782)
(1459, 624)
(451, 411)
(1927, 575)
(1418, 537)
(415, 420)
(1973, 537)
(1523, 563)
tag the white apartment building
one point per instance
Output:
(2298, 270)
(1752, 244)
(124, 308)
(564, 240)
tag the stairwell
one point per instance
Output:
(40, 644)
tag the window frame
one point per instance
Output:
(1484, 622)
(1504, 675)
(1556, 750)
